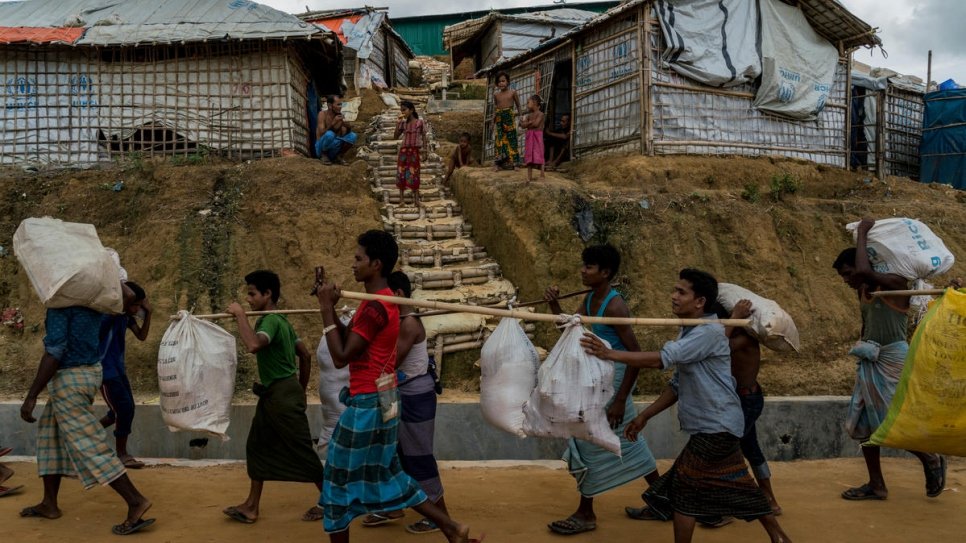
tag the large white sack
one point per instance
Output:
(67, 265)
(571, 395)
(771, 325)
(905, 247)
(508, 367)
(331, 382)
(196, 375)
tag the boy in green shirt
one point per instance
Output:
(279, 446)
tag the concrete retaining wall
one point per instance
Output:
(789, 429)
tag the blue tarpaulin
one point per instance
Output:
(943, 148)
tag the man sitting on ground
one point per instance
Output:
(333, 134)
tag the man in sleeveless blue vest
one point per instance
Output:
(596, 469)
(881, 354)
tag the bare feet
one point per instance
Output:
(41, 511)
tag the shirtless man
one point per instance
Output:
(333, 134)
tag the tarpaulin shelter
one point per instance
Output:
(886, 123)
(498, 36)
(90, 80)
(943, 149)
(375, 54)
(736, 77)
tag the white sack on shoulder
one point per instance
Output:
(508, 367)
(331, 382)
(196, 376)
(770, 324)
(572, 392)
(67, 265)
(905, 247)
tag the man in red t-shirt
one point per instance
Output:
(362, 451)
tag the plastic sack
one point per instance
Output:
(331, 382)
(905, 247)
(927, 412)
(196, 376)
(508, 374)
(771, 325)
(67, 265)
(571, 395)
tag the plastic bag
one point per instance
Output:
(331, 382)
(196, 376)
(905, 247)
(388, 396)
(571, 395)
(67, 265)
(927, 412)
(770, 324)
(508, 374)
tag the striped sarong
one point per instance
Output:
(708, 479)
(70, 438)
(416, 429)
(279, 446)
(875, 384)
(362, 471)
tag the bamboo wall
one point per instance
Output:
(83, 105)
(902, 129)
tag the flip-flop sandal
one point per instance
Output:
(423, 526)
(128, 529)
(715, 522)
(5, 451)
(643, 513)
(235, 514)
(8, 490)
(132, 463)
(314, 514)
(33, 512)
(378, 519)
(938, 475)
(571, 526)
(863, 492)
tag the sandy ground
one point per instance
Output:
(508, 503)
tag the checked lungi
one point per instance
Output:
(70, 438)
(362, 472)
(708, 479)
(416, 431)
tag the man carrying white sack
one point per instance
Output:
(881, 355)
(596, 469)
(709, 477)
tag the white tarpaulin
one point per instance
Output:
(798, 65)
(714, 42)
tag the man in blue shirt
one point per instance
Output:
(709, 477)
(115, 387)
(70, 440)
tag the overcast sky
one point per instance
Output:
(908, 28)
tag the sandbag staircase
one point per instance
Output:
(436, 244)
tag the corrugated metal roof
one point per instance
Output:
(127, 22)
(456, 35)
(355, 27)
(828, 17)
(27, 34)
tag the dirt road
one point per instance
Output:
(509, 504)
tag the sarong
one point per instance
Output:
(416, 429)
(533, 151)
(407, 168)
(875, 384)
(332, 145)
(598, 470)
(279, 446)
(70, 438)
(708, 479)
(506, 149)
(362, 472)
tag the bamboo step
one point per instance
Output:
(442, 209)
(494, 292)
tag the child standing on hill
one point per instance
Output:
(414, 143)
(504, 122)
(533, 122)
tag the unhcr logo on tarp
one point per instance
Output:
(21, 92)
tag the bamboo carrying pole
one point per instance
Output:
(925, 292)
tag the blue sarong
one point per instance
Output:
(875, 384)
(332, 145)
(362, 471)
(598, 470)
